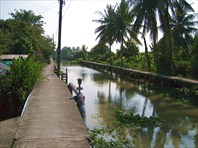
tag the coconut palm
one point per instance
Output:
(182, 26)
(107, 28)
(148, 12)
(116, 25)
(124, 30)
(146, 19)
(167, 9)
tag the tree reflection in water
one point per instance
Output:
(106, 93)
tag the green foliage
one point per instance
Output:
(102, 138)
(183, 95)
(162, 61)
(122, 23)
(5, 83)
(194, 58)
(23, 34)
(125, 124)
(21, 77)
(69, 54)
(28, 17)
(137, 120)
(182, 26)
(73, 55)
(182, 68)
(100, 53)
(131, 50)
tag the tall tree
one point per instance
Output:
(28, 17)
(194, 57)
(148, 12)
(116, 25)
(145, 12)
(84, 52)
(24, 34)
(124, 30)
(182, 26)
(167, 9)
(107, 28)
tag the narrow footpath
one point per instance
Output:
(51, 118)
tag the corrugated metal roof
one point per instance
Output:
(3, 69)
(12, 56)
(3, 66)
(6, 62)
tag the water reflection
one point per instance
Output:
(105, 93)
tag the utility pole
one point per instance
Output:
(59, 38)
(53, 53)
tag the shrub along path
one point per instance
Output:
(50, 119)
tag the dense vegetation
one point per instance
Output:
(174, 54)
(21, 77)
(23, 34)
(72, 55)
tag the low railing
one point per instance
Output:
(64, 76)
(79, 98)
(146, 76)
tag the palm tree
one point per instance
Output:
(146, 19)
(116, 25)
(124, 30)
(148, 12)
(107, 28)
(182, 26)
(165, 10)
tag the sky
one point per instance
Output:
(77, 25)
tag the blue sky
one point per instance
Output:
(77, 25)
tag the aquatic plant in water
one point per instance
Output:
(125, 128)
(137, 120)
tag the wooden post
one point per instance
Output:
(62, 76)
(66, 79)
(59, 38)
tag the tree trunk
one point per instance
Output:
(121, 48)
(110, 54)
(156, 62)
(146, 55)
(170, 61)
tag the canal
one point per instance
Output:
(106, 93)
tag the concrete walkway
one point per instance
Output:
(8, 130)
(51, 119)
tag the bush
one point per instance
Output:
(21, 77)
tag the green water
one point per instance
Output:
(105, 93)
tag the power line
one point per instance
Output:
(40, 5)
(67, 7)
(49, 7)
